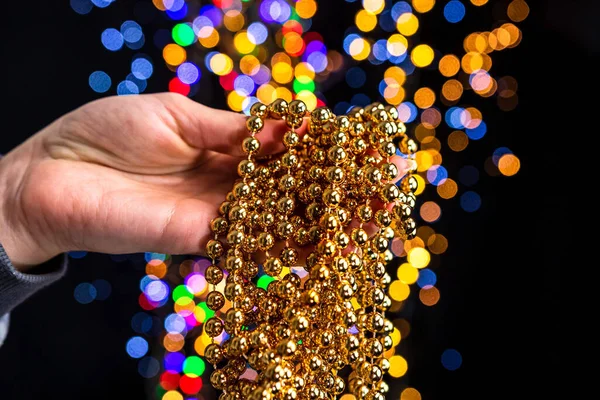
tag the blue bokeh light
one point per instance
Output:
(112, 39)
(100, 82)
(126, 88)
(470, 201)
(85, 293)
(427, 278)
(174, 361)
(137, 347)
(82, 6)
(451, 359)
(257, 33)
(401, 7)
(141, 322)
(188, 73)
(454, 11)
(103, 289)
(478, 132)
(142, 68)
(148, 367)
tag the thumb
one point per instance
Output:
(219, 130)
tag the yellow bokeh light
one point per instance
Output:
(407, 24)
(397, 45)
(448, 189)
(348, 396)
(395, 73)
(479, 2)
(499, 39)
(423, 6)
(249, 65)
(518, 10)
(174, 54)
(514, 32)
(156, 267)
(424, 160)
(421, 183)
(283, 72)
(266, 93)
(184, 305)
(172, 395)
(422, 55)
(233, 20)
(283, 93)
(423, 131)
(449, 65)
(424, 97)
(360, 49)
(210, 40)
(306, 8)
(304, 72)
(365, 21)
(418, 257)
(374, 6)
(199, 314)
(308, 98)
(235, 100)
(471, 62)
(280, 57)
(221, 64)
(394, 93)
(410, 394)
(407, 274)
(452, 90)
(509, 164)
(399, 291)
(201, 342)
(242, 43)
(398, 366)
(396, 336)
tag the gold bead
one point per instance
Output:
(342, 239)
(278, 108)
(379, 243)
(392, 112)
(233, 263)
(373, 174)
(259, 109)
(364, 212)
(289, 256)
(329, 222)
(254, 124)
(332, 197)
(342, 123)
(359, 236)
(383, 218)
(265, 241)
(214, 249)
(387, 149)
(213, 353)
(321, 115)
(233, 290)
(287, 182)
(237, 213)
(215, 300)
(356, 113)
(219, 225)
(358, 145)
(266, 219)
(410, 227)
(389, 171)
(250, 244)
(246, 168)
(235, 237)
(315, 172)
(409, 184)
(387, 129)
(273, 266)
(285, 229)
(250, 145)
(357, 129)
(290, 160)
(291, 139)
(389, 192)
(285, 205)
(327, 247)
(297, 108)
(219, 379)
(241, 190)
(340, 138)
(213, 327)
(214, 275)
(337, 154)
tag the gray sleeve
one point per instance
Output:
(16, 287)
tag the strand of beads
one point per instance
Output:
(324, 205)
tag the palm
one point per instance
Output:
(135, 174)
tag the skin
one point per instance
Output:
(123, 175)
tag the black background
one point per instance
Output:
(499, 279)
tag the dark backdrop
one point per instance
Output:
(499, 279)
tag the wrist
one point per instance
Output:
(24, 250)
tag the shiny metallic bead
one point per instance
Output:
(380, 243)
(342, 123)
(387, 149)
(332, 197)
(387, 129)
(214, 249)
(233, 263)
(250, 244)
(246, 168)
(237, 213)
(285, 229)
(215, 300)
(359, 236)
(410, 227)
(278, 108)
(241, 190)
(364, 212)
(341, 264)
(373, 174)
(297, 108)
(290, 160)
(265, 241)
(219, 380)
(321, 115)
(342, 239)
(273, 266)
(219, 225)
(254, 124)
(409, 184)
(213, 327)
(291, 139)
(392, 112)
(235, 237)
(329, 222)
(266, 219)
(214, 275)
(287, 182)
(314, 191)
(408, 146)
(389, 171)
(340, 138)
(355, 261)
(213, 353)
(250, 145)
(357, 129)
(233, 290)
(335, 174)
(383, 218)
(358, 145)
(336, 154)
(259, 109)
(389, 192)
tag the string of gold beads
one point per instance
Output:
(328, 205)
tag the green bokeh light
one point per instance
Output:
(183, 34)
(181, 291)
(194, 365)
(299, 86)
(264, 281)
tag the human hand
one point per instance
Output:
(123, 175)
